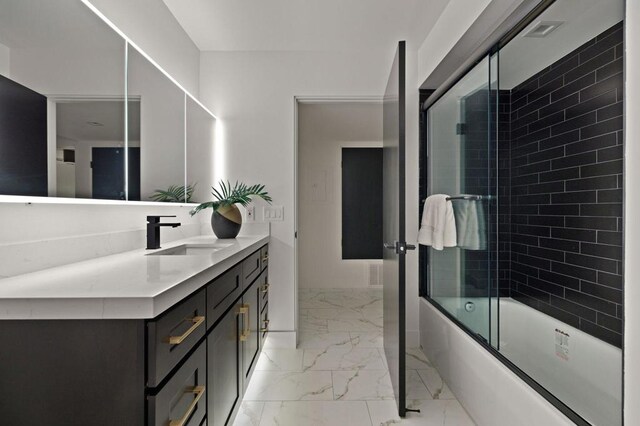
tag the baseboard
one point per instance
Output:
(413, 338)
(281, 339)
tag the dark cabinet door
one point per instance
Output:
(251, 326)
(224, 369)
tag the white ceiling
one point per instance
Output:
(74, 117)
(308, 25)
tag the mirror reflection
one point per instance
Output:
(62, 101)
(200, 136)
(160, 104)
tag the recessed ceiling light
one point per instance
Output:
(543, 29)
(95, 123)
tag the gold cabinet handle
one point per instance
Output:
(265, 258)
(244, 310)
(198, 391)
(265, 287)
(197, 322)
(266, 326)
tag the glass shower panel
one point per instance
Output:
(458, 123)
(561, 129)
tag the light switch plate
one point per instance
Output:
(273, 213)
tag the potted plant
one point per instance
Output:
(174, 194)
(226, 219)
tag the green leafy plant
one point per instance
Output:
(240, 193)
(174, 194)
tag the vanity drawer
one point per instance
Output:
(264, 257)
(251, 269)
(183, 399)
(172, 335)
(222, 292)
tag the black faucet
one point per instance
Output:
(153, 231)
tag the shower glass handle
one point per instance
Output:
(398, 247)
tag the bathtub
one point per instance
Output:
(580, 370)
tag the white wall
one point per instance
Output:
(631, 212)
(253, 94)
(455, 20)
(4, 60)
(150, 25)
(323, 130)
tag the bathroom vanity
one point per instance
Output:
(164, 337)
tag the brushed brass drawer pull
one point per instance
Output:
(265, 258)
(244, 310)
(198, 391)
(264, 329)
(265, 287)
(197, 322)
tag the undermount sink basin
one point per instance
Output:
(191, 250)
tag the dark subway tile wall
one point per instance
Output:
(564, 164)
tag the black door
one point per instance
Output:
(107, 166)
(393, 202)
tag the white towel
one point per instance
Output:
(470, 224)
(438, 227)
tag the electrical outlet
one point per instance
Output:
(273, 213)
(251, 213)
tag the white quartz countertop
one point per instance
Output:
(128, 285)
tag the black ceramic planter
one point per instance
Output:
(226, 221)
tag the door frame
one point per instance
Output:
(310, 99)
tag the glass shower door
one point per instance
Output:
(461, 156)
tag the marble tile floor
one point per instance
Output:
(338, 374)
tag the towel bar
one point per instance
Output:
(467, 197)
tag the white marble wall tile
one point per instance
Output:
(361, 385)
(280, 360)
(315, 413)
(311, 340)
(367, 339)
(432, 413)
(343, 358)
(289, 386)
(249, 414)
(435, 384)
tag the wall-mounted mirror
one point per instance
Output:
(68, 126)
